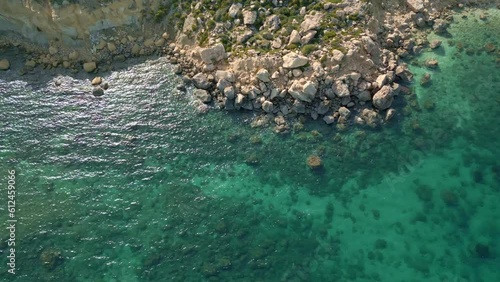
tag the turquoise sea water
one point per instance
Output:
(138, 186)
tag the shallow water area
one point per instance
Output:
(137, 185)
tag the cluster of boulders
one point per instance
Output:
(354, 81)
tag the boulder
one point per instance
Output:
(73, 55)
(435, 44)
(329, 119)
(111, 46)
(268, 106)
(234, 10)
(200, 81)
(344, 113)
(314, 162)
(213, 54)
(4, 64)
(416, 5)
(263, 75)
(293, 60)
(97, 80)
(294, 37)
(370, 117)
(227, 75)
(311, 22)
(273, 22)
(298, 107)
(323, 107)
(337, 56)
(390, 113)
(364, 96)
(381, 80)
(383, 98)
(229, 92)
(202, 95)
(341, 89)
(308, 36)
(440, 26)
(239, 100)
(89, 67)
(222, 84)
(310, 88)
(98, 91)
(249, 17)
(303, 90)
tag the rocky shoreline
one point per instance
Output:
(337, 61)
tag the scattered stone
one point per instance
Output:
(390, 113)
(136, 49)
(249, 17)
(105, 86)
(52, 50)
(329, 119)
(234, 10)
(314, 162)
(416, 5)
(311, 22)
(303, 90)
(268, 106)
(490, 47)
(51, 258)
(111, 47)
(160, 42)
(370, 117)
(426, 79)
(344, 113)
(149, 43)
(89, 67)
(293, 60)
(435, 44)
(383, 98)
(440, 26)
(337, 56)
(432, 63)
(273, 22)
(73, 55)
(340, 89)
(4, 64)
(229, 92)
(263, 75)
(97, 80)
(98, 91)
(294, 37)
(381, 80)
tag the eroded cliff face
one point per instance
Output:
(71, 24)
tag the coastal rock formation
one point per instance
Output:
(332, 61)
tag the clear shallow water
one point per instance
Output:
(136, 186)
